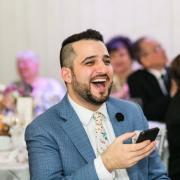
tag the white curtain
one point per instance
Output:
(41, 25)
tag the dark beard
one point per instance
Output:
(97, 101)
(84, 91)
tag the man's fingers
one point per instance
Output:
(126, 136)
(145, 151)
(141, 145)
(138, 146)
(138, 158)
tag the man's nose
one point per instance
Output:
(101, 67)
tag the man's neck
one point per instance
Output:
(157, 68)
(82, 102)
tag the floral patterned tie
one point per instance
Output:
(101, 136)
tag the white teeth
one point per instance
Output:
(99, 80)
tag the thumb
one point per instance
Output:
(126, 136)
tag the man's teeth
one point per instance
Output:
(99, 80)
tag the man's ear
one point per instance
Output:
(66, 74)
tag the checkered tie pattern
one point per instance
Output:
(101, 136)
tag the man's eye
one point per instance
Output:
(89, 63)
(107, 62)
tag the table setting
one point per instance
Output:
(13, 153)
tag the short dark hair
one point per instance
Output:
(119, 41)
(67, 53)
(175, 70)
(136, 49)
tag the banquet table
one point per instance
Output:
(12, 170)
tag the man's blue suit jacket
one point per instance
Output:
(58, 146)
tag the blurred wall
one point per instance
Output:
(41, 25)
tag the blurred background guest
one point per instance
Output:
(120, 50)
(8, 101)
(44, 91)
(173, 121)
(3, 127)
(2, 88)
(152, 83)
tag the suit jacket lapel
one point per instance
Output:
(120, 127)
(153, 82)
(74, 129)
(168, 79)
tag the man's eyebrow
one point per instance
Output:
(89, 58)
(92, 57)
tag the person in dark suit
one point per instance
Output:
(69, 141)
(172, 119)
(152, 83)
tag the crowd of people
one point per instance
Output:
(154, 85)
(62, 141)
(37, 92)
(44, 91)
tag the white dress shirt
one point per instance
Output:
(85, 116)
(158, 74)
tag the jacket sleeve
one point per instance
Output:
(45, 159)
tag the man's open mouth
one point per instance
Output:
(100, 83)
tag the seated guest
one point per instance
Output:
(152, 83)
(2, 87)
(81, 138)
(120, 50)
(45, 91)
(4, 128)
(173, 122)
(8, 101)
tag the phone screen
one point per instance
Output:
(149, 134)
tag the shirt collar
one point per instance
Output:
(85, 114)
(157, 73)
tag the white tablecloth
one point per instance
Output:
(12, 170)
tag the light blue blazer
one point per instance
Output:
(58, 146)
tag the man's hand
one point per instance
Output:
(119, 155)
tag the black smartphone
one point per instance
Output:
(149, 134)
